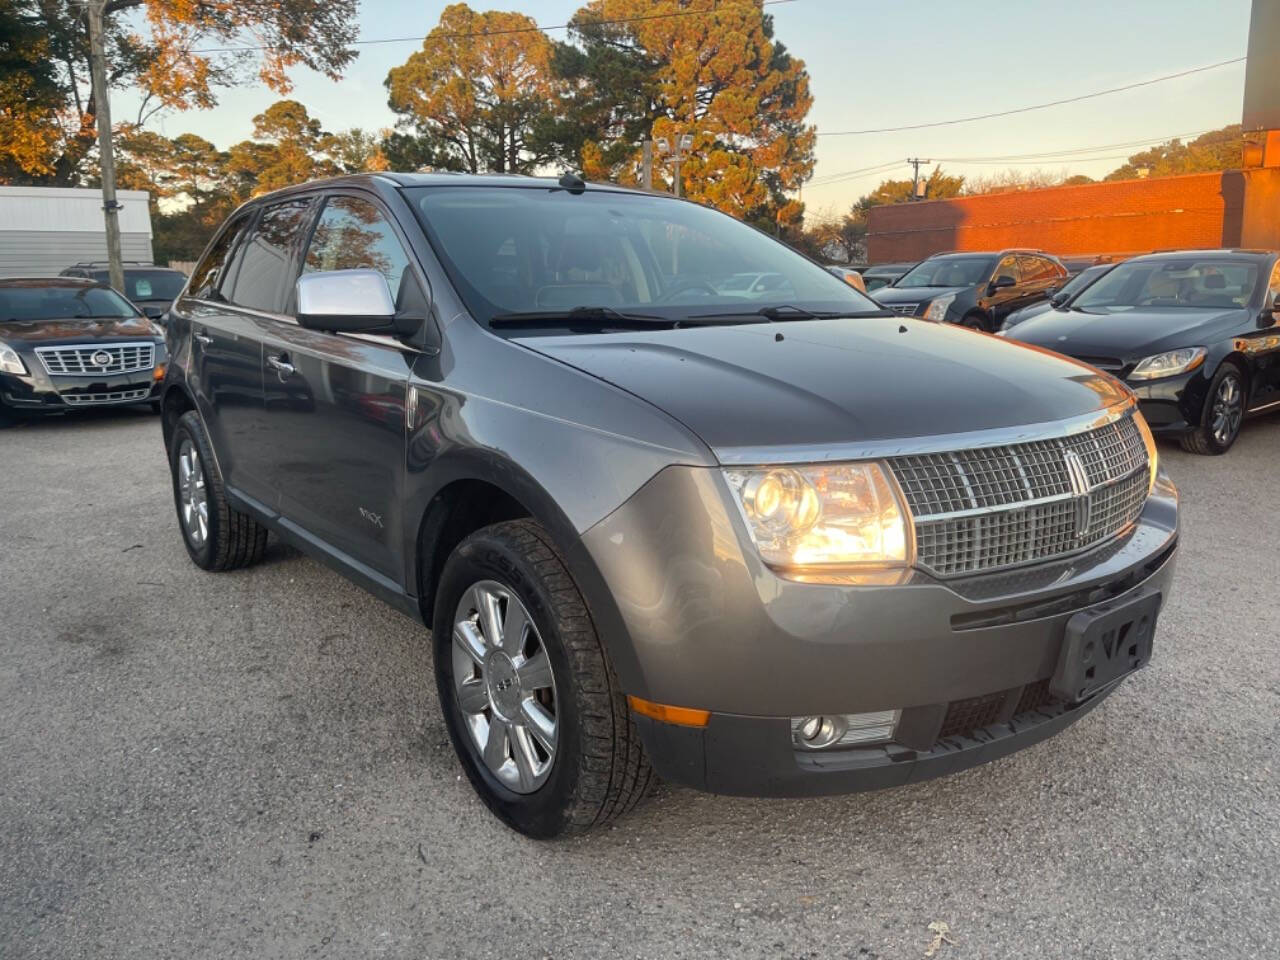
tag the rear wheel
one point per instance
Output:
(216, 536)
(1222, 415)
(530, 701)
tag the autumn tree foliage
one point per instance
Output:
(479, 91)
(176, 53)
(667, 68)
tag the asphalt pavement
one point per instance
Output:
(253, 765)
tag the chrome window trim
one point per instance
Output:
(938, 443)
(377, 338)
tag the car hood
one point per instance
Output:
(828, 382)
(913, 294)
(1026, 313)
(1126, 336)
(38, 333)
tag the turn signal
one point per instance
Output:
(158, 375)
(680, 716)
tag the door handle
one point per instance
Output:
(281, 365)
(203, 339)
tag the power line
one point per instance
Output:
(1047, 156)
(1036, 106)
(247, 48)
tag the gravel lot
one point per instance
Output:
(252, 764)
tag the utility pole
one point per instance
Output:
(94, 13)
(646, 162)
(916, 163)
(682, 148)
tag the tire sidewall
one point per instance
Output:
(1206, 426)
(189, 428)
(545, 812)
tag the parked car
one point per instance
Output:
(1078, 264)
(849, 275)
(1194, 335)
(884, 274)
(152, 288)
(67, 343)
(765, 547)
(1060, 300)
(976, 290)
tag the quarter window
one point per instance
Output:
(265, 259)
(209, 272)
(352, 233)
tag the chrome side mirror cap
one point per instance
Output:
(348, 301)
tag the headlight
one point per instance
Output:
(1153, 455)
(938, 307)
(10, 362)
(824, 517)
(1168, 364)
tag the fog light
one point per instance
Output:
(158, 373)
(844, 730)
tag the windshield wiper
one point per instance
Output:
(786, 311)
(601, 316)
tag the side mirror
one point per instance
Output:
(1002, 281)
(350, 301)
(1057, 300)
(1267, 318)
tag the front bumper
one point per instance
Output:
(39, 392)
(966, 661)
(1172, 405)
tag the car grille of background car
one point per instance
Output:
(81, 359)
(998, 507)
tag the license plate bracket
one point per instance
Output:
(1104, 643)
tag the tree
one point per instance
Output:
(656, 67)
(177, 53)
(355, 151)
(480, 88)
(1210, 152)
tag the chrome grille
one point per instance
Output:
(996, 507)
(115, 396)
(906, 309)
(86, 359)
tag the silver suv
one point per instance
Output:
(790, 544)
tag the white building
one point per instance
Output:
(44, 229)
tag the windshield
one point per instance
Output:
(513, 251)
(148, 284)
(1080, 281)
(947, 272)
(61, 303)
(1198, 283)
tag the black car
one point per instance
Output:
(152, 288)
(654, 525)
(883, 274)
(67, 343)
(1061, 299)
(1193, 334)
(976, 290)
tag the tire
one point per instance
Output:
(975, 321)
(1227, 388)
(217, 537)
(594, 768)
(157, 406)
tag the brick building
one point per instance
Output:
(1122, 217)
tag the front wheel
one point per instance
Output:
(975, 321)
(532, 706)
(1223, 413)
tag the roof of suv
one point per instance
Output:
(48, 282)
(446, 179)
(1236, 253)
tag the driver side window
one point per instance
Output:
(1273, 287)
(1008, 267)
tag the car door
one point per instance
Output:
(225, 372)
(1262, 348)
(1002, 301)
(1039, 277)
(336, 402)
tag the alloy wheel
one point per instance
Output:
(504, 685)
(192, 494)
(1228, 410)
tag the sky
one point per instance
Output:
(890, 63)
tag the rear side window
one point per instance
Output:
(353, 233)
(1036, 269)
(209, 271)
(265, 261)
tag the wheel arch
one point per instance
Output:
(473, 489)
(175, 401)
